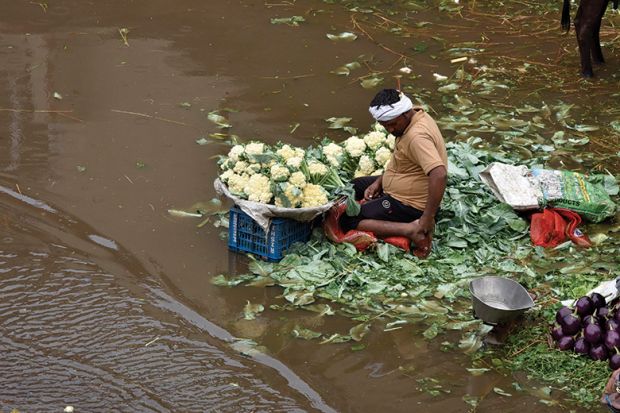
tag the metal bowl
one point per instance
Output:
(498, 300)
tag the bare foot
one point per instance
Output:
(421, 242)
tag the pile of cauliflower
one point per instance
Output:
(292, 177)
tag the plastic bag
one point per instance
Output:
(572, 190)
(553, 226)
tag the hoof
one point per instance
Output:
(587, 75)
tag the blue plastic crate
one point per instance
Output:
(244, 234)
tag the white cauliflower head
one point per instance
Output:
(383, 155)
(379, 128)
(290, 198)
(240, 167)
(391, 141)
(333, 153)
(225, 176)
(226, 164)
(279, 173)
(237, 183)
(317, 168)
(300, 153)
(355, 146)
(374, 140)
(253, 168)
(258, 189)
(313, 195)
(255, 148)
(294, 162)
(235, 152)
(377, 172)
(286, 152)
(297, 179)
(366, 164)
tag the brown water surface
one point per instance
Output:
(106, 298)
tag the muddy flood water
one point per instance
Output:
(106, 301)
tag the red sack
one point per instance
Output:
(360, 239)
(550, 228)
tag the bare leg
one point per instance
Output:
(384, 229)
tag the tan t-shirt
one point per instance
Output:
(417, 152)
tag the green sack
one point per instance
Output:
(574, 191)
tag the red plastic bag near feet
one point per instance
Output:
(550, 228)
(360, 239)
(363, 239)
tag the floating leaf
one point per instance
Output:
(184, 214)
(448, 88)
(304, 333)
(57, 96)
(501, 392)
(300, 297)
(248, 347)
(202, 141)
(359, 331)
(291, 21)
(478, 372)
(431, 332)
(344, 37)
(336, 338)
(185, 105)
(251, 310)
(219, 120)
(371, 82)
(337, 123)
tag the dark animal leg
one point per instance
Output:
(583, 29)
(597, 53)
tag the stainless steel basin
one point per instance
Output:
(497, 299)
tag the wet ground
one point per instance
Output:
(106, 299)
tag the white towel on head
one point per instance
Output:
(388, 112)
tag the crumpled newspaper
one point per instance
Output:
(263, 213)
(512, 185)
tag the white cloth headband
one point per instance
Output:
(388, 112)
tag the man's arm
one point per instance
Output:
(437, 179)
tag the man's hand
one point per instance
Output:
(426, 225)
(422, 229)
(374, 189)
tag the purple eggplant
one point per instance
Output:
(602, 312)
(584, 306)
(571, 325)
(598, 352)
(557, 333)
(566, 343)
(598, 301)
(612, 339)
(614, 360)
(591, 319)
(612, 324)
(582, 346)
(593, 333)
(562, 312)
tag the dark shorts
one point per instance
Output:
(384, 208)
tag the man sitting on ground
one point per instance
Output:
(405, 199)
